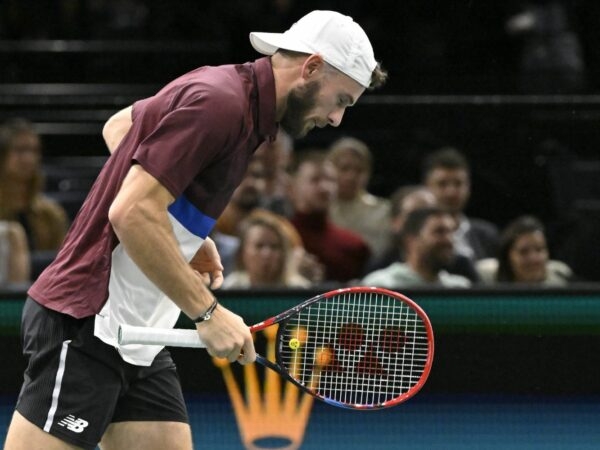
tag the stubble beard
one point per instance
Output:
(300, 101)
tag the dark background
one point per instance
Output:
(522, 107)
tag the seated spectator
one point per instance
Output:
(14, 254)
(354, 208)
(405, 200)
(447, 175)
(21, 188)
(343, 252)
(245, 199)
(427, 244)
(523, 257)
(265, 257)
(275, 157)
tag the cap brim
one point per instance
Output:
(269, 43)
(265, 43)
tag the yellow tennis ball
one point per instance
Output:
(294, 344)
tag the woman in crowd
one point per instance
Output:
(265, 256)
(14, 254)
(523, 257)
(21, 188)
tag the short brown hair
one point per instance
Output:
(352, 145)
(445, 158)
(313, 155)
(378, 77)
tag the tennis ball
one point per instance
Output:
(294, 344)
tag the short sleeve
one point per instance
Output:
(188, 137)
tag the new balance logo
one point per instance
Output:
(74, 424)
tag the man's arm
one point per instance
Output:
(139, 218)
(116, 128)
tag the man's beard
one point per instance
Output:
(299, 103)
(438, 259)
(248, 199)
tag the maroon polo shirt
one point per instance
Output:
(196, 136)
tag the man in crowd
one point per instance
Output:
(427, 245)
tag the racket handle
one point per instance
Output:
(129, 334)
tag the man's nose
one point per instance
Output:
(335, 118)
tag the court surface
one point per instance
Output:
(426, 422)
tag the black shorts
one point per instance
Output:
(75, 385)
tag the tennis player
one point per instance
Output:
(138, 251)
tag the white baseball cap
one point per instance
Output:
(336, 37)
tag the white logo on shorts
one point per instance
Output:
(74, 424)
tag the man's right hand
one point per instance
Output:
(227, 336)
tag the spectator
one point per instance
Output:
(245, 199)
(354, 208)
(523, 257)
(265, 256)
(14, 254)
(275, 157)
(447, 174)
(343, 252)
(427, 243)
(405, 200)
(21, 185)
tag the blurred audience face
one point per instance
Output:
(263, 254)
(248, 194)
(314, 186)
(420, 198)
(352, 174)
(276, 158)
(451, 188)
(23, 157)
(434, 243)
(275, 155)
(528, 257)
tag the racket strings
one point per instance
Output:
(361, 348)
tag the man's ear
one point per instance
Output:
(312, 65)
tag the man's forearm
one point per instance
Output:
(140, 219)
(148, 238)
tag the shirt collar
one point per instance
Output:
(265, 81)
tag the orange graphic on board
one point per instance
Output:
(268, 412)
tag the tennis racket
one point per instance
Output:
(357, 348)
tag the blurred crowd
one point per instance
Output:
(303, 218)
(307, 217)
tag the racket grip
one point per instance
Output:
(129, 334)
